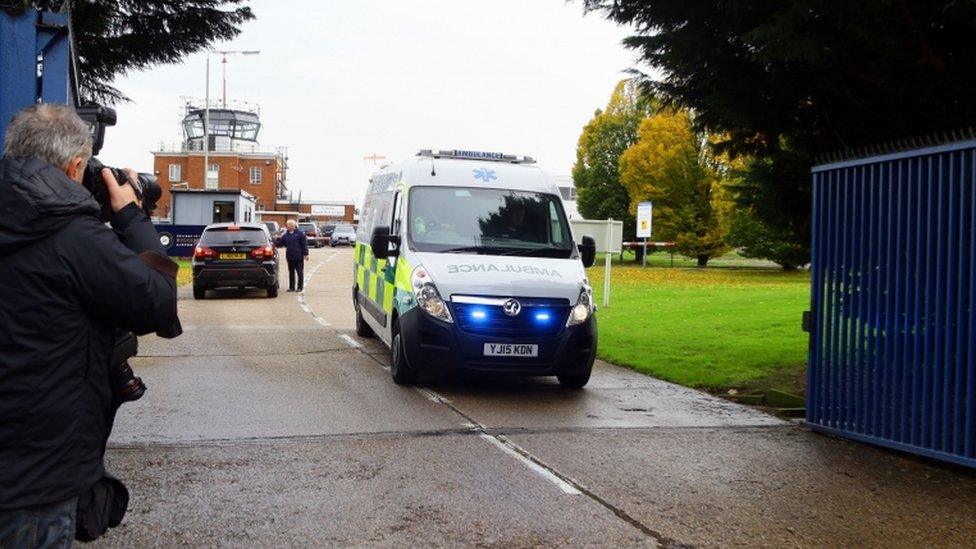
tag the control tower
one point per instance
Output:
(225, 157)
(233, 127)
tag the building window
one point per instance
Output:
(223, 212)
(213, 176)
(175, 173)
(255, 175)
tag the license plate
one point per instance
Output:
(511, 349)
(233, 256)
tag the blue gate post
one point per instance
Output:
(893, 330)
(35, 43)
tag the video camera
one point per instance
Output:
(128, 386)
(146, 187)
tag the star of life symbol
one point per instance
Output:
(484, 174)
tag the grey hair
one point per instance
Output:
(53, 133)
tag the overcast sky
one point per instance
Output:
(339, 80)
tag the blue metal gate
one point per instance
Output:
(36, 61)
(893, 334)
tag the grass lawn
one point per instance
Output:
(185, 275)
(727, 326)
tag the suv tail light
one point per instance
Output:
(203, 252)
(266, 252)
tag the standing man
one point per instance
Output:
(67, 284)
(296, 253)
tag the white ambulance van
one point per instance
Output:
(465, 261)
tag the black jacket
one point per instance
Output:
(66, 283)
(295, 244)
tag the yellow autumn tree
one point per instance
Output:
(670, 166)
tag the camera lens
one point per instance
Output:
(129, 386)
(151, 191)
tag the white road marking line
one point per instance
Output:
(333, 256)
(350, 341)
(566, 487)
(304, 304)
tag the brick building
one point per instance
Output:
(257, 173)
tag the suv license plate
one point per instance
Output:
(233, 256)
(511, 349)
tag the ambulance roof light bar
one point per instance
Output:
(459, 154)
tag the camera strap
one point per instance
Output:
(160, 263)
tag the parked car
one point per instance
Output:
(343, 234)
(312, 233)
(273, 227)
(235, 256)
(325, 232)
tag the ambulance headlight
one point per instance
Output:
(427, 296)
(581, 312)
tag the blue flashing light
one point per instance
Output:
(542, 317)
(478, 314)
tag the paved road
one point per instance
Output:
(268, 423)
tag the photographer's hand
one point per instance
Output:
(120, 196)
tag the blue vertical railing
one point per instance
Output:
(893, 336)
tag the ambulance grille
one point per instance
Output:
(539, 317)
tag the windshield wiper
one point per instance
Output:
(468, 249)
(508, 251)
(538, 252)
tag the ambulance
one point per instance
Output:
(465, 261)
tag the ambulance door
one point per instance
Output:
(374, 292)
(389, 273)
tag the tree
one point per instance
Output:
(756, 239)
(747, 228)
(605, 137)
(785, 82)
(114, 37)
(670, 165)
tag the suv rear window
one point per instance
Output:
(224, 237)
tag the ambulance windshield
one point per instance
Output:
(488, 221)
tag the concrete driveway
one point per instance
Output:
(268, 423)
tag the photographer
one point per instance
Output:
(67, 284)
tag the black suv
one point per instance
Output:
(235, 256)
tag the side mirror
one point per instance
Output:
(380, 243)
(587, 251)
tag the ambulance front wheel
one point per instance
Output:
(399, 369)
(574, 381)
